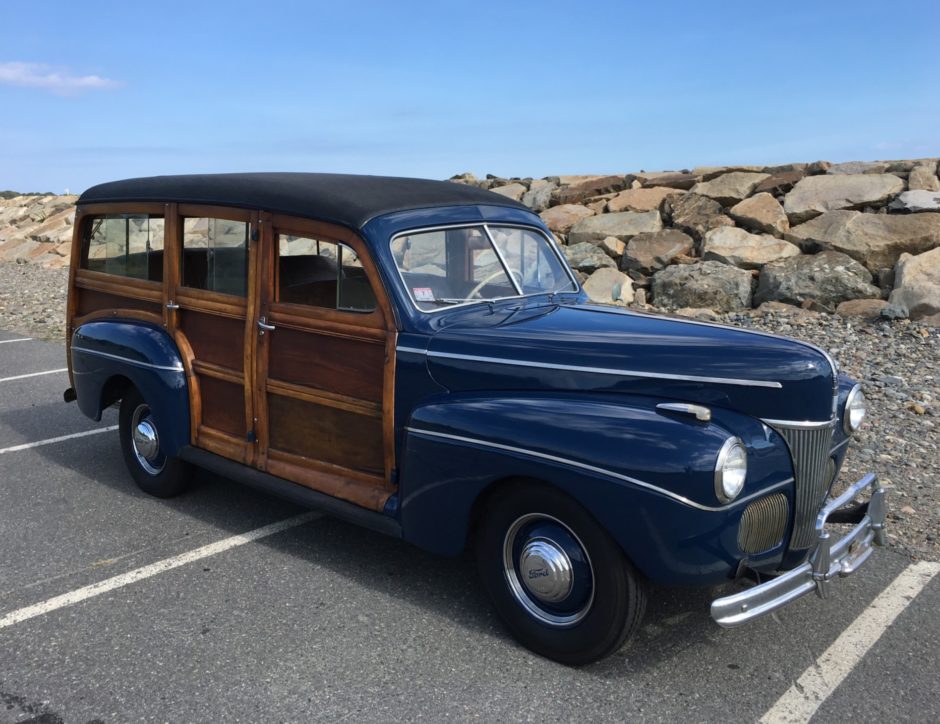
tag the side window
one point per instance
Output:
(322, 274)
(128, 245)
(215, 255)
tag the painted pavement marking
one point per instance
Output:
(20, 339)
(49, 441)
(32, 374)
(817, 683)
(139, 574)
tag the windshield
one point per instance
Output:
(478, 263)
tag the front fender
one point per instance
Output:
(145, 355)
(647, 476)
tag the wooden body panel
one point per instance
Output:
(310, 401)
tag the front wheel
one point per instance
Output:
(153, 471)
(558, 580)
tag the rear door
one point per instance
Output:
(324, 363)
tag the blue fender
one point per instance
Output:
(646, 475)
(144, 354)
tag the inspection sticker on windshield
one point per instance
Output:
(423, 294)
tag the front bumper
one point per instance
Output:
(828, 560)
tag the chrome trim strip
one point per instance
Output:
(149, 365)
(841, 444)
(471, 225)
(607, 370)
(603, 471)
(412, 350)
(799, 424)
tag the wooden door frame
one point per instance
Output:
(372, 326)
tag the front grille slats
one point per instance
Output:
(763, 523)
(809, 451)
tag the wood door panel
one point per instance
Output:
(223, 405)
(337, 437)
(343, 365)
(92, 301)
(216, 340)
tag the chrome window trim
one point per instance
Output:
(502, 260)
(473, 225)
(606, 370)
(602, 471)
(139, 363)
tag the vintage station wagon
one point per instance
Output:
(417, 357)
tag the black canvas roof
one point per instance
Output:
(339, 198)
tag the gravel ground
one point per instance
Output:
(898, 363)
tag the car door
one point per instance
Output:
(324, 363)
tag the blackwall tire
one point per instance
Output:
(154, 472)
(557, 579)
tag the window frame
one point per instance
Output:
(224, 213)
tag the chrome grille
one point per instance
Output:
(809, 451)
(763, 523)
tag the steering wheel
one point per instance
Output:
(476, 290)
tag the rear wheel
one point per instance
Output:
(153, 471)
(558, 580)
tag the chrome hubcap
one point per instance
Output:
(548, 570)
(146, 441)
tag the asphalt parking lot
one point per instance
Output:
(224, 605)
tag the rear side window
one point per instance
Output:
(127, 245)
(322, 274)
(215, 255)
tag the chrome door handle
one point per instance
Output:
(172, 305)
(263, 326)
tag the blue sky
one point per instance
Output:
(94, 91)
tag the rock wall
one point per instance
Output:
(859, 238)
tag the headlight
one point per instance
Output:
(730, 470)
(855, 410)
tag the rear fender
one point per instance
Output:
(109, 355)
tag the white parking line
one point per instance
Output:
(21, 339)
(32, 374)
(138, 574)
(817, 683)
(49, 441)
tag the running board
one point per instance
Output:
(293, 492)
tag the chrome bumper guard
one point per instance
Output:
(828, 560)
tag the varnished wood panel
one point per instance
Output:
(349, 367)
(338, 437)
(215, 340)
(88, 301)
(366, 491)
(223, 405)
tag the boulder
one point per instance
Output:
(707, 173)
(587, 258)
(914, 202)
(514, 190)
(828, 278)
(815, 195)
(539, 195)
(591, 187)
(682, 181)
(642, 199)
(649, 252)
(731, 245)
(465, 178)
(864, 308)
(761, 212)
(799, 168)
(561, 218)
(609, 286)
(779, 182)
(876, 240)
(923, 178)
(613, 247)
(695, 214)
(729, 188)
(624, 225)
(708, 284)
(857, 167)
(917, 284)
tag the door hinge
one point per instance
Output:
(251, 436)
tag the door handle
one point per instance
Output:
(172, 305)
(264, 327)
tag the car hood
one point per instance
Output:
(589, 348)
